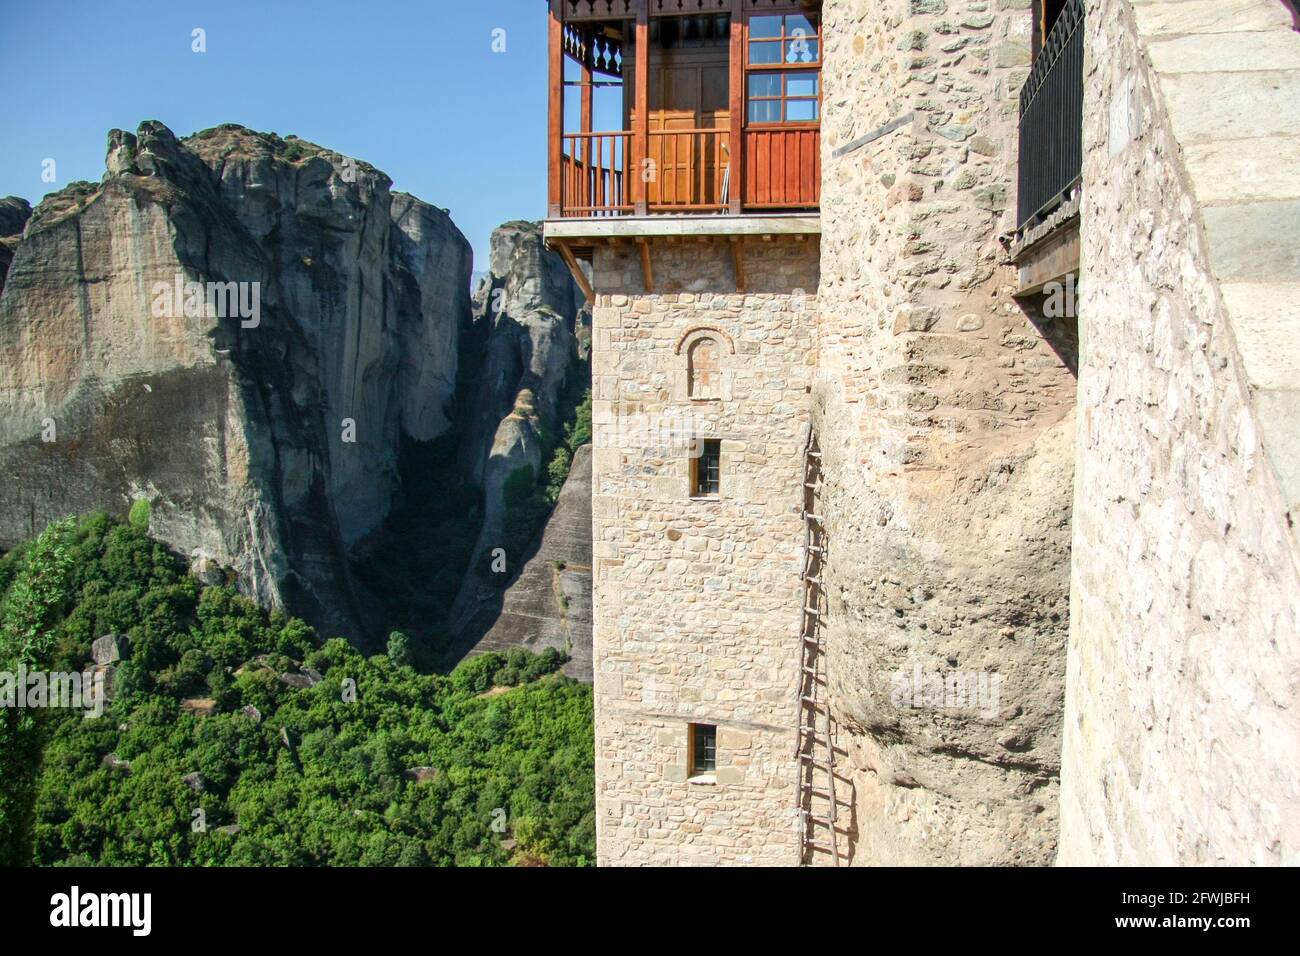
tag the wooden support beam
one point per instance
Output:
(586, 113)
(738, 259)
(646, 272)
(555, 110)
(641, 132)
(576, 268)
(736, 135)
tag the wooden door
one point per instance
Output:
(689, 114)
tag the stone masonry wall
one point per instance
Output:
(696, 600)
(1182, 738)
(945, 420)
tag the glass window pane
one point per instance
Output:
(801, 50)
(799, 22)
(765, 52)
(765, 84)
(801, 111)
(764, 27)
(801, 84)
(765, 111)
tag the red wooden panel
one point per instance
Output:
(782, 167)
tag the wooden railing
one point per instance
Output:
(596, 174)
(691, 171)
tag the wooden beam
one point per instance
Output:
(738, 259)
(736, 136)
(586, 111)
(641, 132)
(555, 110)
(647, 274)
(576, 268)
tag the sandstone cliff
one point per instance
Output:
(530, 320)
(549, 603)
(530, 336)
(261, 419)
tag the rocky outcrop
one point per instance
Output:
(259, 412)
(14, 213)
(549, 604)
(526, 315)
(531, 329)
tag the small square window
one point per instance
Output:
(765, 84)
(801, 84)
(800, 111)
(704, 749)
(706, 469)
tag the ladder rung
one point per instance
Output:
(823, 795)
(813, 548)
(827, 824)
(814, 580)
(809, 516)
(813, 611)
(814, 454)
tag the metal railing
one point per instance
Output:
(1051, 118)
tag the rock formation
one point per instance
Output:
(549, 603)
(260, 412)
(532, 329)
(14, 213)
(526, 312)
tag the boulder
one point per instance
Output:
(108, 649)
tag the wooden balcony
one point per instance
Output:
(719, 103)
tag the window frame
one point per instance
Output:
(783, 69)
(699, 472)
(693, 755)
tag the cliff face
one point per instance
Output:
(14, 213)
(945, 416)
(261, 419)
(531, 331)
(530, 318)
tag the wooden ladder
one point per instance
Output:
(818, 808)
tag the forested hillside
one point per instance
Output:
(238, 737)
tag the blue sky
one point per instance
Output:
(411, 86)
